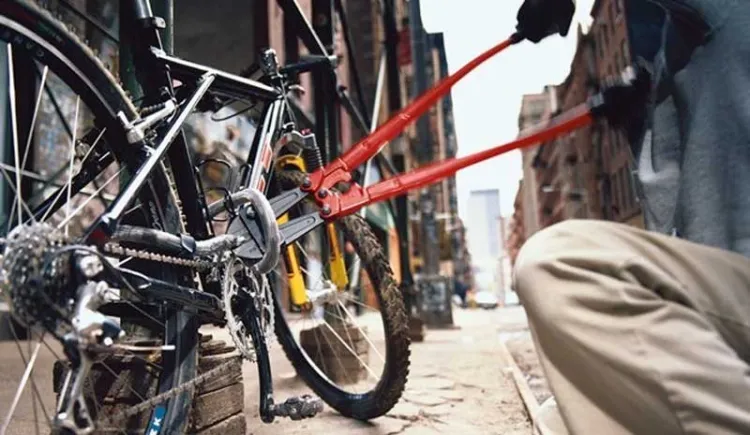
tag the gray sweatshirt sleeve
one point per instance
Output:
(704, 15)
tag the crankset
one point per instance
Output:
(250, 227)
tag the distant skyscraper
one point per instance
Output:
(483, 225)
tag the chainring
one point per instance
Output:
(241, 283)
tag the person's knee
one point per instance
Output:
(533, 274)
(549, 244)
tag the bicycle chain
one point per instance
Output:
(116, 249)
(122, 416)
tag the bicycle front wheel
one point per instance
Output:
(350, 341)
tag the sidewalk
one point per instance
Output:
(458, 384)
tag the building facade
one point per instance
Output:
(566, 167)
(587, 173)
(516, 228)
(612, 53)
(484, 225)
(535, 110)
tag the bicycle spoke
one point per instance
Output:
(322, 276)
(50, 209)
(34, 387)
(31, 129)
(363, 305)
(140, 311)
(367, 338)
(19, 391)
(348, 335)
(33, 396)
(114, 373)
(322, 359)
(93, 146)
(338, 359)
(72, 159)
(367, 367)
(13, 189)
(58, 110)
(92, 196)
(14, 127)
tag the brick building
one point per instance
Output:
(517, 232)
(566, 167)
(535, 109)
(525, 221)
(587, 173)
(613, 53)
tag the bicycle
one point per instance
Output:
(120, 229)
(144, 251)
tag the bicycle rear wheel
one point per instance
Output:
(63, 106)
(353, 349)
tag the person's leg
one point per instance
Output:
(639, 332)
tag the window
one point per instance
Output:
(603, 42)
(620, 192)
(624, 51)
(615, 190)
(618, 6)
(606, 35)
(613, 140)
(625, 189)
(632, 200)
(618, 67)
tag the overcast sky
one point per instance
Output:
(486, 103)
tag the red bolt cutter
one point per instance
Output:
(616, 99)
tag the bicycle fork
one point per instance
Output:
(297, 286)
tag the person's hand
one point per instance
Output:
(622, 99)
(538, 19)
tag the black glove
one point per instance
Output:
(622, 100)
(538, 19)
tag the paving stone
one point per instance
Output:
(405, 410)
(388, 425)
(432, 384)
(452, 395)
(438, 411)
(425, 372)
(425, 399)
(416, 430)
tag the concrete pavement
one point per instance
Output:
(457, 384)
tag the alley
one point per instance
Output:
(458, 384)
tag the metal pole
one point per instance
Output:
(375, 113)
(398, 153)
(427, 197)
(356, 267)
(324, 84)
(353, 70)
(435, 291)
(127, 68)
(165, 10)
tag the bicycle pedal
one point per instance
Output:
(298, 408)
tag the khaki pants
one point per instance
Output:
(639, 333)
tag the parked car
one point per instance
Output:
(486, 299)
(511, 298)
